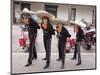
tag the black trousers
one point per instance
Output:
(77, 52)
(61, 50)
(47, 45)
(32, 49)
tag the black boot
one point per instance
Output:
(44, 59)
(46, 66)
(28, 64)
(62, 67)
(73, 58)
(79, 63)
(58, 59)
(63, 62)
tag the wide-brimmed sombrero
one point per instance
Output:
(27, 11)
(36, 18)
(31, 14)
(43, 13)
(81, 24)
(64, 22)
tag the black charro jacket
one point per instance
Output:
(63, 34)
(32, 29)
(79, 36)
(48, 32)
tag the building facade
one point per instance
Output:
(61, 11)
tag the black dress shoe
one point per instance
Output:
(44, 59)
(73, 58)
(28, 64)
(58, 59)
(46, 67)
(78, 63)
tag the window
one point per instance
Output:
(25, 5)
(69, 13)
(93, 17)
(73, 14)
(51, 9)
